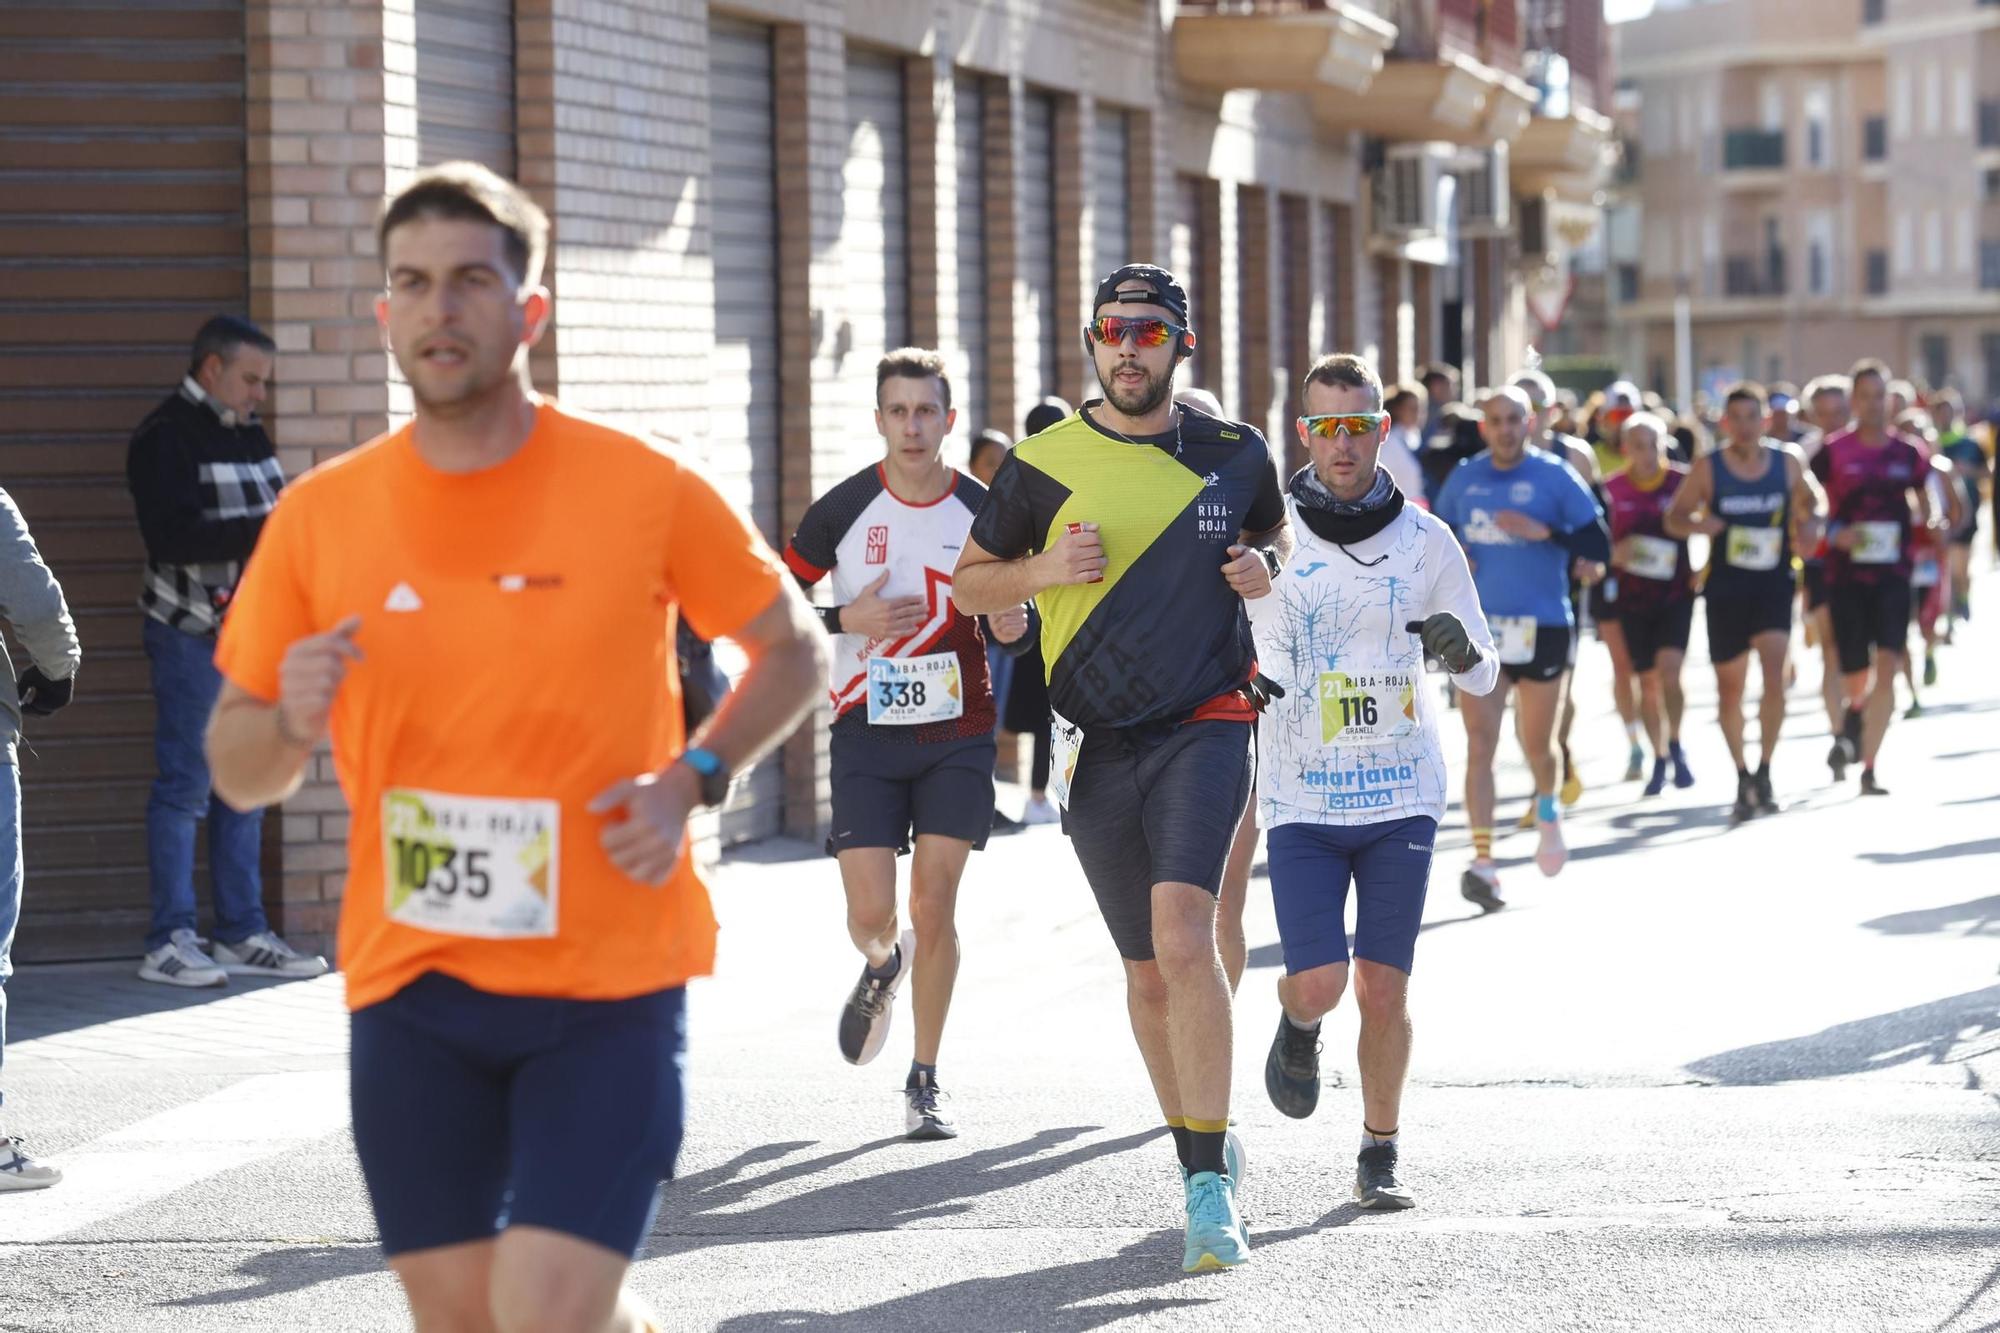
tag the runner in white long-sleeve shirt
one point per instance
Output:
(1351, 778)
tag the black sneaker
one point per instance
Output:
(864, 1019)
(1291, 1071)
(1850, 736)
(1869, 786)
(1746, 799)
(1375, 1183)
(1767, 801)
(1477, 888)
(924, 1115)
(1006, 823)
(1836, 759)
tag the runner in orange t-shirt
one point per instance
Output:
(480, 608)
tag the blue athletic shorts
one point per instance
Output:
(474, 1112)
(1311, 866)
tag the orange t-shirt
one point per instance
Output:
(517, 630)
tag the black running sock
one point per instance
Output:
(1183, 1144)
(1763, 770)
(920, 1074)
(1205, 1151)
(890, 968)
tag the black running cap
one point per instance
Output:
(1162, 289)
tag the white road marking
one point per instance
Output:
(152, 1158)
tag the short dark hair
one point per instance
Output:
(1745, 391)
(1406, 391)
(1438, 370)
(1869, 365)
(1046, 414)
(221, 336)
(988, 439)
(469, 191)
(1344, 370)
(1785, 388)
(913, 363)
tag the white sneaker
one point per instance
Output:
(925, 1115)
(1041, 810)
(180, 962)
(1553, 854)
(18, 1171)
(266, 955)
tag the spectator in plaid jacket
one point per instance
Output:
(203, 477)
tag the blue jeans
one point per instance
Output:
(10, 886)
(1000, 667)
(185, 684)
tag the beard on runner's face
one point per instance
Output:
(1132, 388)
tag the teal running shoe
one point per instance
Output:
(1215, 1238)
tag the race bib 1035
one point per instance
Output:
(471, 865)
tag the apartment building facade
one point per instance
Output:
(1821, 180)
(751, 202)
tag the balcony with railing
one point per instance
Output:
(1753, 150)
(1566, 147)
(1754, 275)
(1291, 46)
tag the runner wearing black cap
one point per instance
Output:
(1132, 525)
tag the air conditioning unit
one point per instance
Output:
(1406, 196)
(1483, 191)
(1537, 243)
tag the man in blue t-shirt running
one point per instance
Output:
(1522, 515)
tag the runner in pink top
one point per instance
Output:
(1655, 599)
(1874, 482)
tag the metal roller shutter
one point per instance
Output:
(1111, 189)
(121, 229)
(742, 452)
(1036, 354)
(465, 82)
(969, 363)
(874, 235)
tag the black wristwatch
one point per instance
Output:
(1271, 561)
(714, 774)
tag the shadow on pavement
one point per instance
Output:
(697, 1211)
(48, 998)
(1980, 848)
(1974, 800)
(1927, 1033)
(1049, 1300)
(1976, 916)
(1991, 1282)
(288, 1269)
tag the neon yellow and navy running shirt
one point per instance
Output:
(1163, 633)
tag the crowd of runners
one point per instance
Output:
(1205, 652)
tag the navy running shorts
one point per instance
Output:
(1650, 629)
(885, 792)
(1153, 805)
(1312, 865)
(474, 1112)
(1737, 616)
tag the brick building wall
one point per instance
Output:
(611, 111)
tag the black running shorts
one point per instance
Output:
(1156, 805)
(886, 791)
(1867, 616)
(1738, 615)
(1553, 656)
(1649, 629)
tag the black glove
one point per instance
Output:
(1260, 690)
(42, 696)
(1445, 639)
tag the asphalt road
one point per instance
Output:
(1708, 1078)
